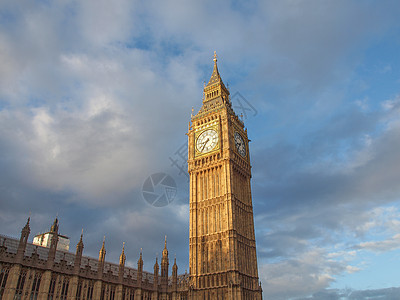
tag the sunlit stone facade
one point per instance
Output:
(223, 261)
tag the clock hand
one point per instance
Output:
(205, 143)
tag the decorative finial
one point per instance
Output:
(165, 243)
(215, 57)
(123, 246)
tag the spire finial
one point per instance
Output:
(215, 57)
(81, 239)
(165, 243)
(104, 241)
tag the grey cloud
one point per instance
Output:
(310, 271)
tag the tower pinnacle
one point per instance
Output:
(122, 257)
(102, 252)
(215, 88)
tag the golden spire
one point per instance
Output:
(122, 257)
(102, 253)
(165, 251)
(215, 77)
(215, 87)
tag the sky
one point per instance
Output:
(96, 96)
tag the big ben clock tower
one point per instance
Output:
(223, 261)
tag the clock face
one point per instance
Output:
(240, 145)
(207, 141)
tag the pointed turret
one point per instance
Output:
(164, 267)
(215, 77)
(174, 275)
(156, 268)
(23, 240)
(164, 260)
(102, 252)
(175, 268)
(54, 227)
(165, 251)
(102, 257)
(27, 227)
(140, 262)
(78, 255)
(215, 87)
(53, 243)
(122, 259)
(140, 269)
(79, 246)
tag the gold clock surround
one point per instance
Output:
(199, 132)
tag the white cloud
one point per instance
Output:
(381, 246)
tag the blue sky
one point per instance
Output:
(95, 96)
